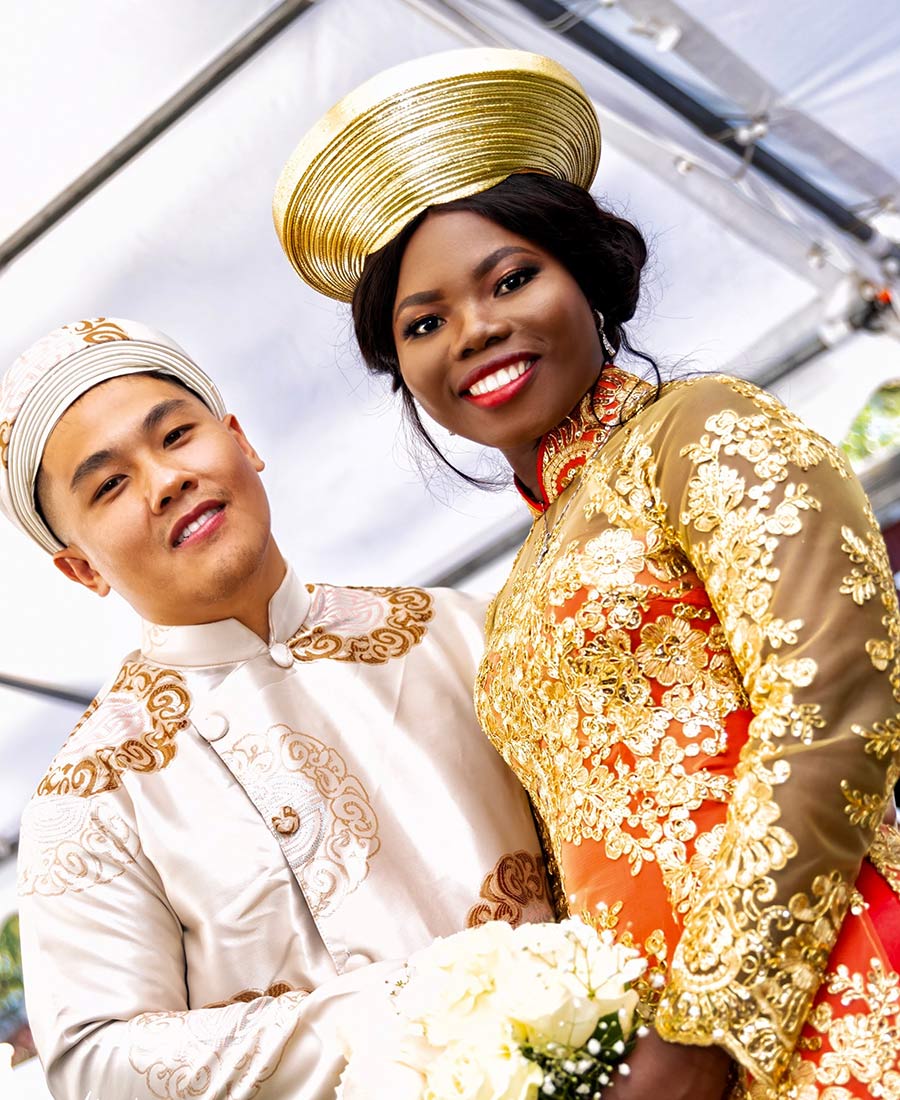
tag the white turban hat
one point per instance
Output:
(52, 374)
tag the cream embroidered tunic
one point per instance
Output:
(236, 832)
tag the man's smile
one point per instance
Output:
(198, 523)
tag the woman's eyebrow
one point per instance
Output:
(484, 266)
(426, 297)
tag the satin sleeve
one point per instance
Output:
(785, 541)
(105, 982)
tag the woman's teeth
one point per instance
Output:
(196, 525)
(499, 378)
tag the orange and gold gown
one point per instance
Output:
(694, 669)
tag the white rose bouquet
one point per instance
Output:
(499, 1013)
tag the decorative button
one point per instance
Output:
(356, 961)
(213, 726)
(281, 655)
(287, 822)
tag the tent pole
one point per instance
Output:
(713, 126)
(175, 108)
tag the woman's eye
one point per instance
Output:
(422, 326)
(174, 435)
(108, 486)
(515, 279)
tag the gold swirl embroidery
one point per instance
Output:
(71, 845)
(341, 862)
(406, 611)
(100, 330)
(163, 697)
(5, 429)
(516, 885)
(276, 989)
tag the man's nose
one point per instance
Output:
(167, 484)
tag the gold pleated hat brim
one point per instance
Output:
(429, 131)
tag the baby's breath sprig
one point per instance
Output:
(584, 1073)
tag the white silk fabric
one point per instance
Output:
(241, 835)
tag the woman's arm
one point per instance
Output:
(785, 541)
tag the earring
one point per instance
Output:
(607, 346)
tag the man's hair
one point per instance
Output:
(40, 479)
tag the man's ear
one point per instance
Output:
(74, 565)
(231, 423)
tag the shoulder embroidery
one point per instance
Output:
(366, 625)
(132, 729)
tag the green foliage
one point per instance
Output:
(11, 990)
(876, 428)
(584, 1073)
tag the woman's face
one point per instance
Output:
(494, 337)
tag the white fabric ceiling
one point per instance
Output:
(182, 238)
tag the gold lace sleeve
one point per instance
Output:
(787, 545)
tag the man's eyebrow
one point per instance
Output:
(152, 420)
(159, 412)
(425, 297)
(90, 465)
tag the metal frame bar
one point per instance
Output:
(713, 126)
(145, 133)
(46, 691)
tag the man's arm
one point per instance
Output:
(106, 982)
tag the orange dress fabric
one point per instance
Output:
(694, 668)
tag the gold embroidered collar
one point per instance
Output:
(563, 451)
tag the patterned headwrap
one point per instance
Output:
(53, 373)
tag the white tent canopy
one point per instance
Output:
(743, 273)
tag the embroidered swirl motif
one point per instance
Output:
(320, 813)
(629, 664)
(400, 617)
(5, 429)
(100, 331)
(514, 891)
(228, 1053)
(276, 989)
(142, 695)
(72, 845)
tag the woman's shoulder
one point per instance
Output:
(721, 410)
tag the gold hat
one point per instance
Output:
(429, 131)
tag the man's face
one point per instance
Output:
(157, 499)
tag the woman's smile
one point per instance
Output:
(508, 345)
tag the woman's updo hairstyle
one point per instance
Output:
(602, 252)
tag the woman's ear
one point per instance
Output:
(74, 565)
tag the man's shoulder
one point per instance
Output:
(129, 725)
(373, 625)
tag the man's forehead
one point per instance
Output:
(115, 408)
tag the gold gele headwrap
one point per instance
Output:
(429, 131)
(51, 375)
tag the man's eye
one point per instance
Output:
(515, 279)
(108, 486)
(174, 435)
(422, 326)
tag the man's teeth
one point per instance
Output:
(196, 525)
(499, 378)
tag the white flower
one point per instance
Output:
(465, 1072)
(452, 993)
(565, 979)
